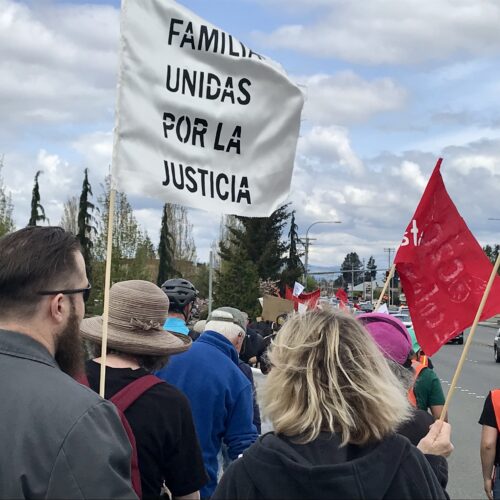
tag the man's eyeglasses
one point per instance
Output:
(84, 291)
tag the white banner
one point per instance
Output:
(202, 120)
(298, 288)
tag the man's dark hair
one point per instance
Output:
(34, 259)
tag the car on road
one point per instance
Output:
(404, 318)
(496, 346)
(459, 339)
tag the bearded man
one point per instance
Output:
(60, 439)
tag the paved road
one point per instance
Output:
(480, 373)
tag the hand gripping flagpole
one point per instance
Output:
(468, 343)
(386, 284)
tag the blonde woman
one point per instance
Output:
(335, 405)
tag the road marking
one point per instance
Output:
(480, 397)
(464, 390)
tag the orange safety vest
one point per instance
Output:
(418, 366)
(495, 399)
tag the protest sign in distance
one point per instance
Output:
(443, 269)
(272, 307)
(202, 120)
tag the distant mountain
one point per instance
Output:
(324, 269)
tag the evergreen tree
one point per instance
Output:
(491, 252)
(294, 267)
(371, 269)
(6, 207)
(259, 238)
(201, 279)
(86, 224)
(351, 268)
(37, 210)
(237, 284)
(166, 268)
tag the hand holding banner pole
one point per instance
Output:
(469, 338)
(386, 284)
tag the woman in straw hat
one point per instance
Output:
(167, 446)
(335, 406)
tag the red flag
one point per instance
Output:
(443, 269)
(310, 299)
(342, 296)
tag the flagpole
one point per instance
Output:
(469, 338)
(386, 284)
(107, 283)
(111, 212)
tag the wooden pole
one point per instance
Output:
(468, 343)
(107, 283)
(386, 284)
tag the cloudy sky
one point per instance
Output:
(391, 85)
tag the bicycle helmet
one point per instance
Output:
(180, 293)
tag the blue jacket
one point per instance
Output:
(220, 397)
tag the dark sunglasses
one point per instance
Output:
(84, 291)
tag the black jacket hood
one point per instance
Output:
(278, 470)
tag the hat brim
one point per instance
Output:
(135, 341)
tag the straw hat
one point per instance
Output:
(137, 311)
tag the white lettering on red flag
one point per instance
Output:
(443, 269)
(202, 119)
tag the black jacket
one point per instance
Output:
(276, 468)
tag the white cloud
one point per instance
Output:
(96, 148)
(57, 63)
(327, 147)
(410, 173)
(376, 207)
(394, 32)
(345, 98)
(58, 181)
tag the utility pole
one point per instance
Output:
(307, 243)
(389, 251)
(364, 280)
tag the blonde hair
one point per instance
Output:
(328, 375)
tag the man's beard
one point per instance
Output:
(69, 353)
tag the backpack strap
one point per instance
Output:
(495, 399)
(133, 391)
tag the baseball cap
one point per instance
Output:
(390, 334)
(227, 315)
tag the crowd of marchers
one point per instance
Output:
(351, 400)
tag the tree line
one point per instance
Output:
(252, 256)
(251, 253)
